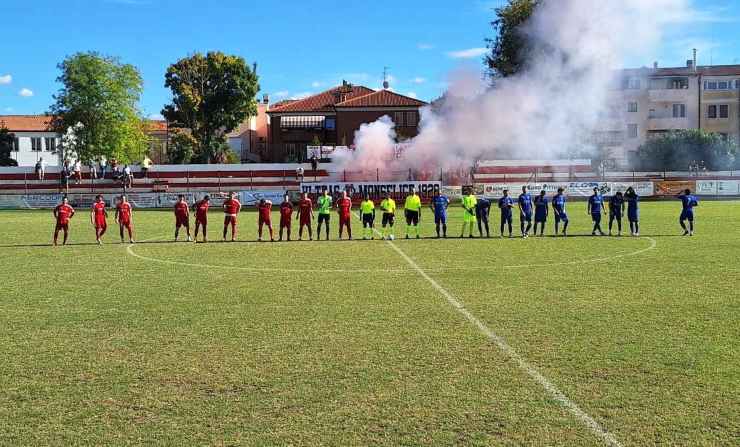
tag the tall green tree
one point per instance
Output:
(7, 140)
(510, 48)
(673, 151)
(211, 95)
(99, 97)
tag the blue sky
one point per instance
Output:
(300, 47)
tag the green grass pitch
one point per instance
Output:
(346, 343)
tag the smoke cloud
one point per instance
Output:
(550, 107)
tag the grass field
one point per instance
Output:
(360, 343)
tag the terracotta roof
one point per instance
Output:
(382, 98)
(155, 125)
(25, 123)
(324, 101)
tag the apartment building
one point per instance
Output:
(34, 139)
(649, 101)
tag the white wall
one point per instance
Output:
(26, 157)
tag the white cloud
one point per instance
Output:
(418, 80)
(155, 117)
(26, 93)
(470, 53)
(281, 94)
(316, 84)
(6, 79)
(8, 109)
(425, 46)
(411, 95)
(301, 95)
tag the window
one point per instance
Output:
(51, 144)
(723, 85)
(632, 107)
(712, 112)
(16, 144)
(411, 119)
(737, 84)
(36, 144)
(632, 130)
(330, 123)
(398, 118)
(302, 122)
(724, 111)
(679, 110)
(633, 84)
(710, 85)
(718, 85)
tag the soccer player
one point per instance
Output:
(264, 213)
(286, 213)
(367, 212)
(439, 205)
(201, 217)
(595, 207)
(231, 210)
(482, 212)
(98, 217)
(688, 202)
(124, 218)
(558, 208)
(541, 211)
(63, 213)
(324, 205)
(344, 209)
(305, 216)
(412, 210)
(388, 206)
(469, 218)
(182, 216)
(616, 211)
(506, 203)
(633, 210)
(525, 211)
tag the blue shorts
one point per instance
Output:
(540, 217)
(617, 216)
(562, 217)
(633, 216)
(527, 217)
(440, 219)
(596, 217)
(687, 215)
(507, 218)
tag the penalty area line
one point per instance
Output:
(525, 366)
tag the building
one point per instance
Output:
(250, 140)
(650, 101)
(33, 139)
(332, 117)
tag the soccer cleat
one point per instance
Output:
(619, 234)
(407, 236)
(99, 242)
(686, 233)
(691, 233)
(190, 239)
(593, 233)
(637, 234)
(418, 237)
(132, 241)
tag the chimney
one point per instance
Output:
(655, 65)
(266, 99)
(689, 63)
(694, 63)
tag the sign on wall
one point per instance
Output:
(673, 188)
(374, 189)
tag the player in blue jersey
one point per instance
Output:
(616, 211)
(688, 202)
(558, 209)
(633, 210)
(439, 205)
(525, 212)
(541, 211)
(595, 207)
(506, 204)
(482, 211)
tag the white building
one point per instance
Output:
(33, 139)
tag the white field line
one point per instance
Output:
(558, 395)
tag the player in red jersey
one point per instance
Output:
(286, 213)
(124, 218)
(264, 211)
(201, 217)
(231, 210)
(344, 207)
(182, 216)
(305, 216)
(98, 216)
(63, 213)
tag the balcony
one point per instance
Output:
(667, 123)
(669, 95)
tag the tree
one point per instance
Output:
(510, 48)
(7, 141)
(212, 95)
(100, 96)
(675, 150)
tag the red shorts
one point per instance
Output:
(62, 226)
(203, 220)
(182, 221)
(344, 220)
(284, 222)
(267, 222)
(125, 223)
(305, 219)
(101, 223)
(229, 220)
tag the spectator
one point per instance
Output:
(128, 177)
(315, 166)
(78, 171)
(93, 169)
(40, 169)
(64, 176)
(702, 167)
(115, 170)
(146, 164)
(103, 163)
(299, 173)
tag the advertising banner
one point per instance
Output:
(584, 189)
(374, 189)
(454, 193)
(673, 188)
(250, 198)
(33, 201)
(643, 189)
(718, 187)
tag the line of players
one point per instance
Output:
(476, 211)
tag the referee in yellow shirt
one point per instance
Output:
(367, 214)
(388, 206)
(412, 209)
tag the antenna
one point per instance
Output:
(386, 84)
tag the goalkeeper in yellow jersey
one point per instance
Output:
(469, 201)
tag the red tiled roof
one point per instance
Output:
(25, 123)
(382, 98)
(324, 101)
(155, 125)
